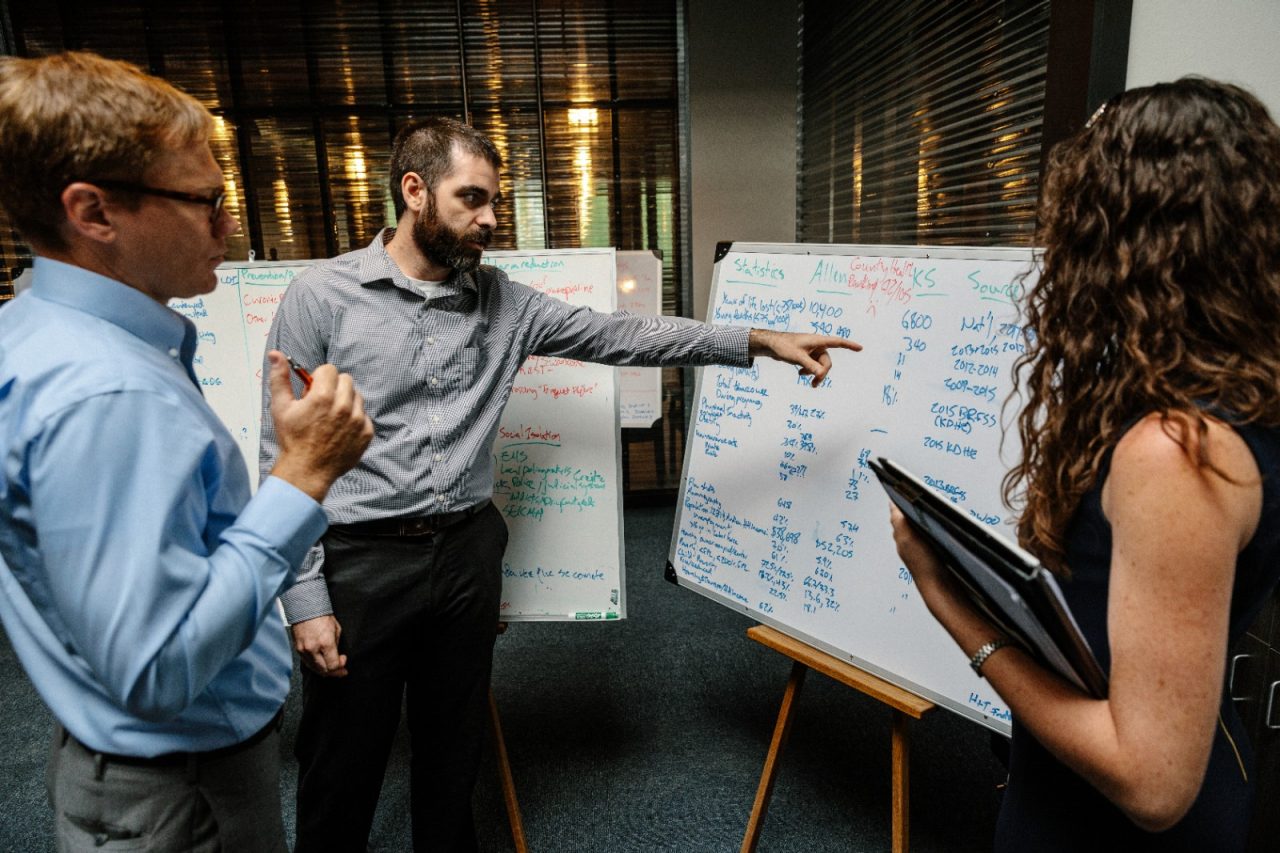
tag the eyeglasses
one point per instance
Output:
(214, 201)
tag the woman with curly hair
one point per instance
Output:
(1150, 477)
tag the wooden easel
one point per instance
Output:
(504, 770)
(508, 781)
(904, 705)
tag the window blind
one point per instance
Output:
(580, 97)
(920, 121)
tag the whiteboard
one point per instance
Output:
(557, 455)
(778, 514)
(232, 324)
(558, 459)
(639, 292)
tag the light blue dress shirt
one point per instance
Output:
(137, 577)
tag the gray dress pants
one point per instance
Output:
(227, 802)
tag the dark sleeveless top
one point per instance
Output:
(1047, 807)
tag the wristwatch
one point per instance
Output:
(986, 651)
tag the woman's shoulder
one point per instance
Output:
(1179, 440)
(1181, 457)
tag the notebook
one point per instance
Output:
(1019, 595)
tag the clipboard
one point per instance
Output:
(1017, 593)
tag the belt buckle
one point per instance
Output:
(420, 526)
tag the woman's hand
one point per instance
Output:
(942, 593)
(940, 590)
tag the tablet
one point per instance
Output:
(1009, 585)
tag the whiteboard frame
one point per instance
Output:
(1000, 253)
(655, 376)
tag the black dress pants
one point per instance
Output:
(419, 617)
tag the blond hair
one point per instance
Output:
(79, 117)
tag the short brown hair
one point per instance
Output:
(426, 147)
(77, 116)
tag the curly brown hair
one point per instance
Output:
(1159, 289)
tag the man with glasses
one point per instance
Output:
(137, 576)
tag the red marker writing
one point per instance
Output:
(301, 371)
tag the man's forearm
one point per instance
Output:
(759, 342)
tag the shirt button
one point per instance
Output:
(439, 457)
(173, 352)
(435, 419)
(437, 499)
(431, 341)
(435, 380)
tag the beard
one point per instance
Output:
(445, 247)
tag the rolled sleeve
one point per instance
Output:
(308, 598)
(733, 345)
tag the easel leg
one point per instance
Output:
(780, 732)
(508, 782)
(901, 781)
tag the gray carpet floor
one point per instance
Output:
(646, 734)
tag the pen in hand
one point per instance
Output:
(301, 371)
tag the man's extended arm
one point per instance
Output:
(621, 338)
(808, 352)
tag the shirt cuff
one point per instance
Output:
(733, 345)
(287, 517)
(306, 599)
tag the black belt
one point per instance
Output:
(178, 759)
(409, 525)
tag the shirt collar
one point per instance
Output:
(377, 265)
(115, 302)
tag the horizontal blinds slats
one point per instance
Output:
(920, 121)
(308, 96)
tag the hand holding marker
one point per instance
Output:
(302, 372)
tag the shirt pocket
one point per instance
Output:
(464, 372)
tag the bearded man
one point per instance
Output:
(399, 600)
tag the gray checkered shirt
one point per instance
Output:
(435, 375)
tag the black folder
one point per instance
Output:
(1009, 585)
